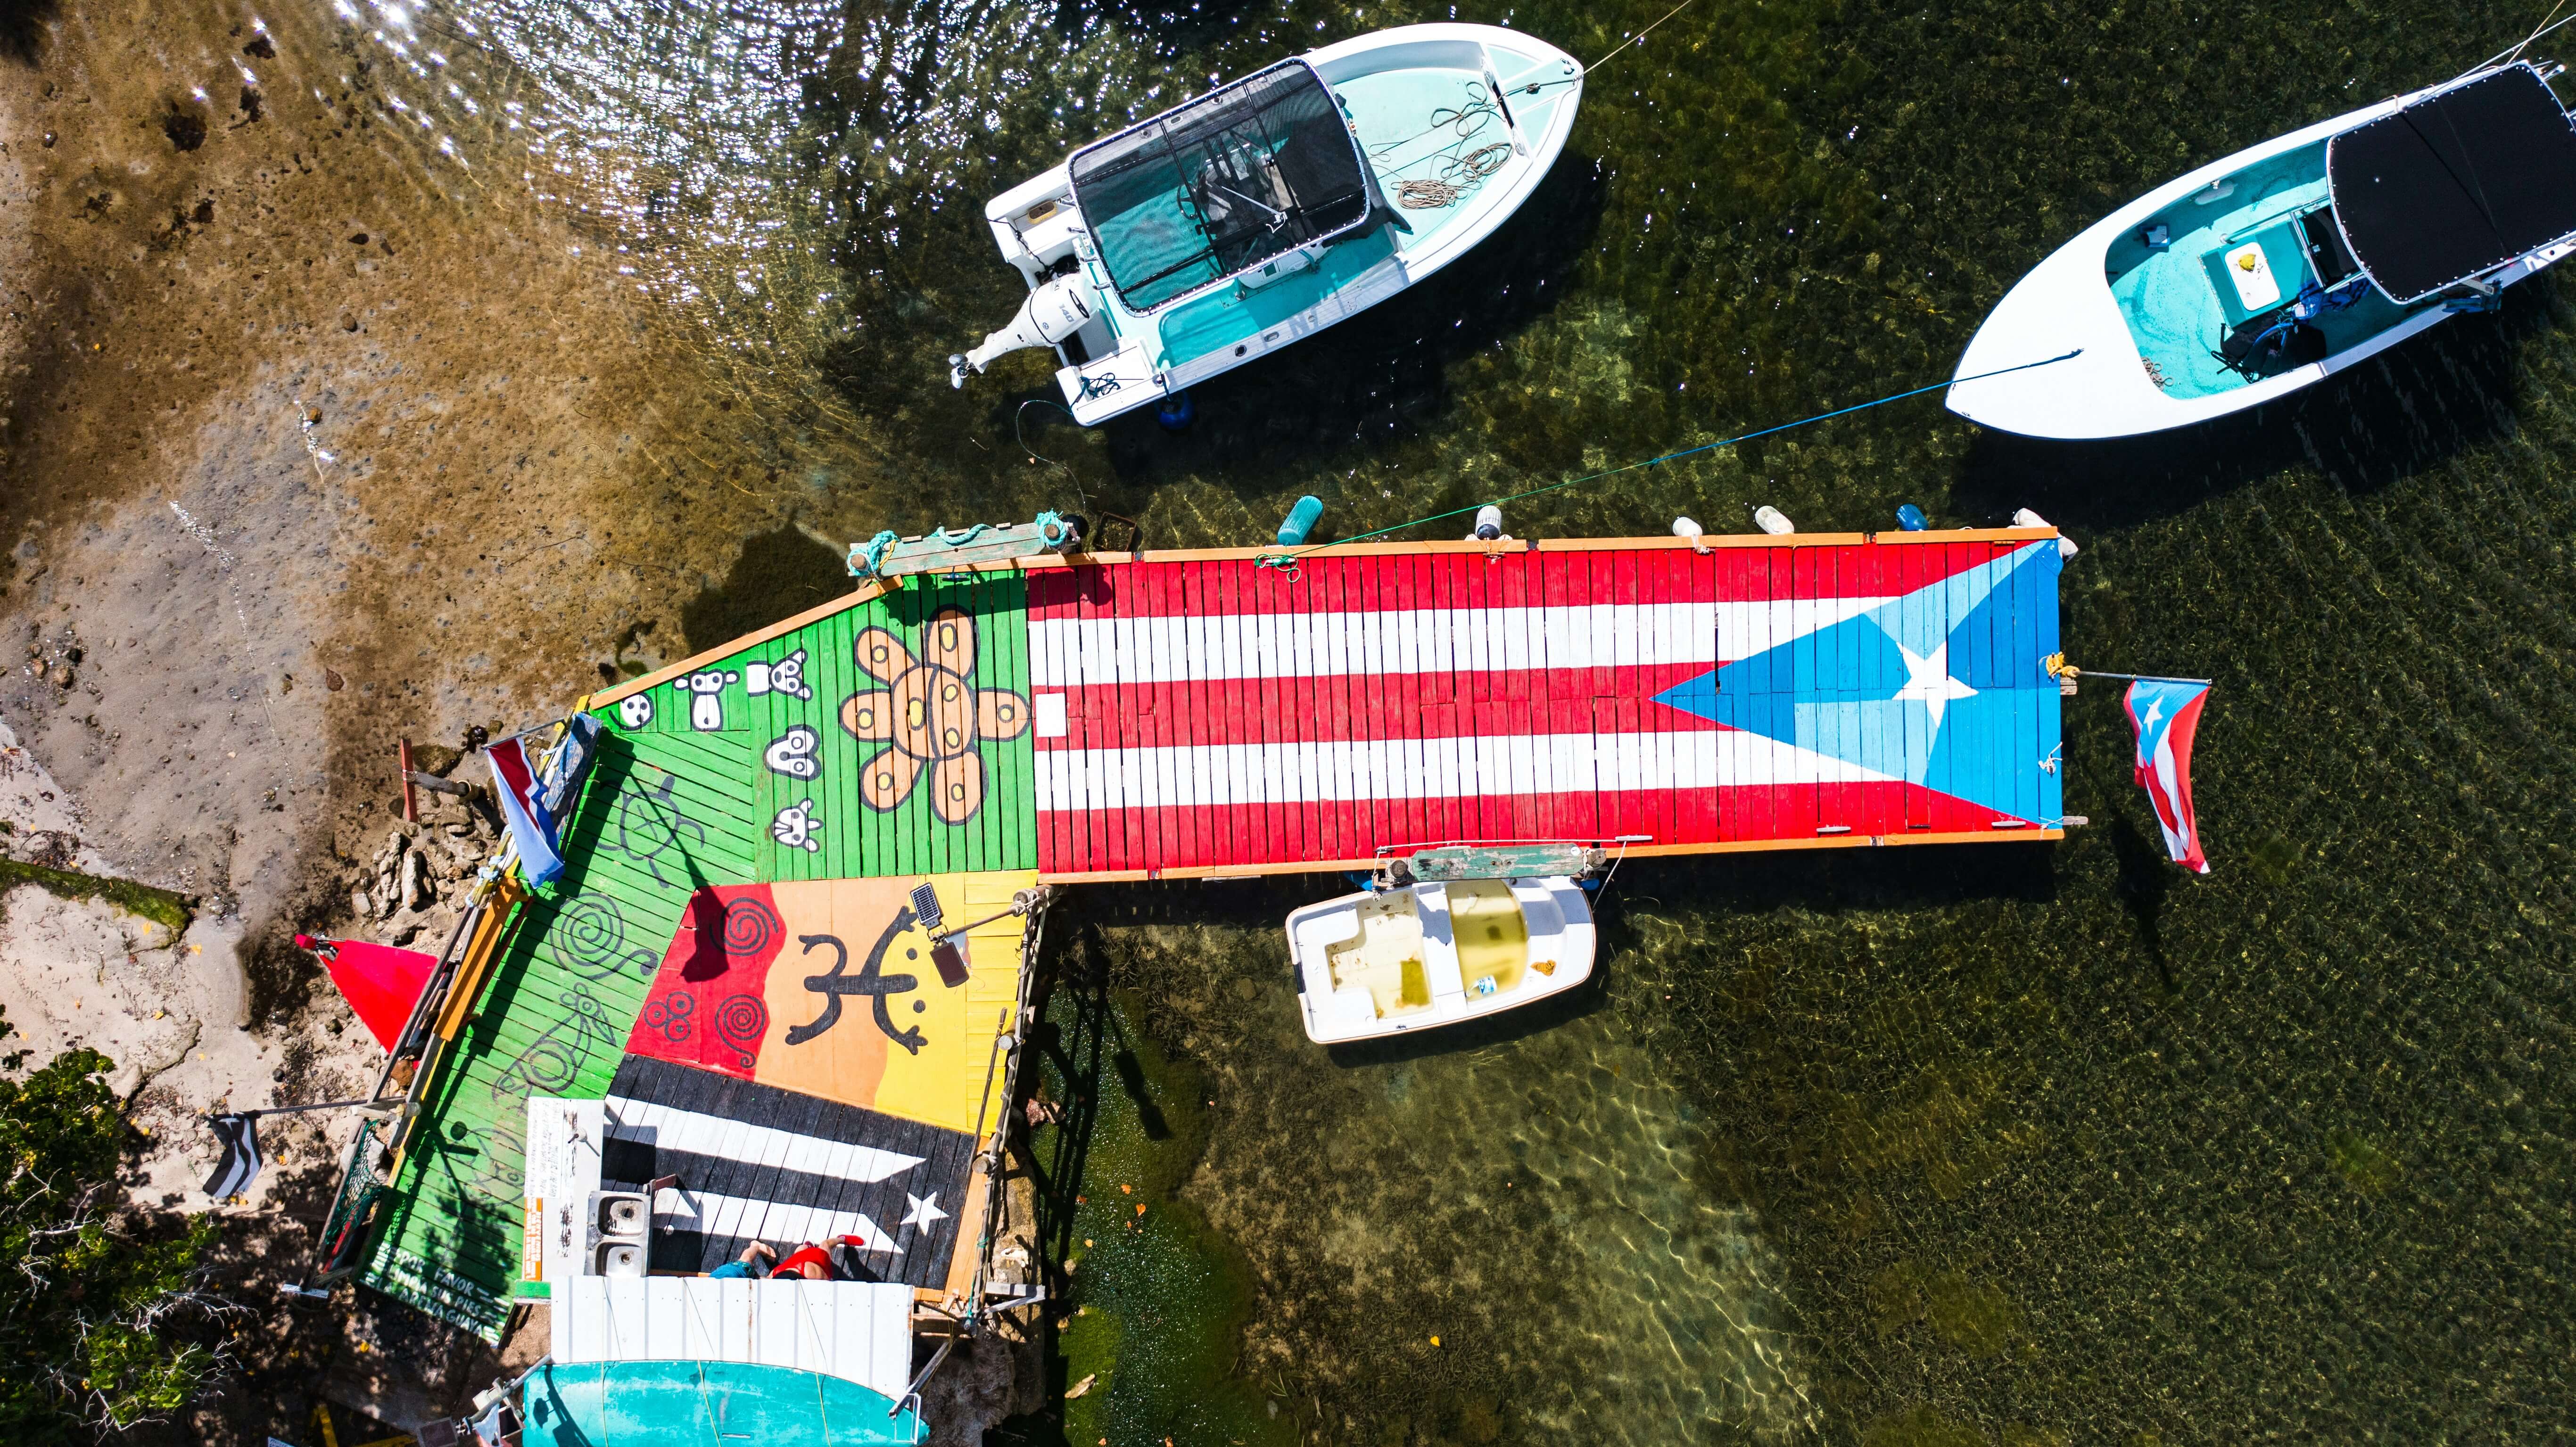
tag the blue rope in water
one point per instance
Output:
(1288, 559)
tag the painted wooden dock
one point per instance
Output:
(740, 894)
(1200, 713)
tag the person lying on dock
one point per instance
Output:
(812, 1262)
(819, 1263)
(748, 1264)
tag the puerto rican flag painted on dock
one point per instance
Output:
(1205, 714)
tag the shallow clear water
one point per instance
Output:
(2015, 1144)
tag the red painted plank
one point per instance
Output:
(1185, 723)
(1547, 685)
(1413, 588)
(1316, 584)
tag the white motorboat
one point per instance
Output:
(2283, 264)
(1412, 957)
(1274, 206)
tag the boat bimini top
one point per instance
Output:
(2456, 184)
(1212, 189)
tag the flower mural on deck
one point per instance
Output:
(929, 715)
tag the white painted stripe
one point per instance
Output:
(1074, 652)
(705, 1210)
(664, 1128)
(1354, 769)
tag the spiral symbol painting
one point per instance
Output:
(750, 928)
(670, 1015)
(589, 939)
(741, 1021)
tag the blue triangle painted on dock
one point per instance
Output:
(1927, 687)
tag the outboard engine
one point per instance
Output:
(1052, 313)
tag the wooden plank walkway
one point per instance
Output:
(1180, 714)
(1215, 716)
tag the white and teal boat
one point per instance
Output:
(1274, 206)
(2283, 264)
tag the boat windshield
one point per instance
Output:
(2456, 184)
(1216, 187)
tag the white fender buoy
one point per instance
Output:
(2025, 518)
(1772, 521)
(1686, 528)
(1489, 525)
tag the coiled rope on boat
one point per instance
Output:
(1459, 176)
(1286, 558)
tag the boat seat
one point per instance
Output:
(1329, 928)
(2328, 256)
(2254, 348)
(1538, 907)
(2281, 269)
(1105, 386)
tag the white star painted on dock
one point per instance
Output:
(925, 1210)
(1928, 680)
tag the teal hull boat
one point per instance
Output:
(2283, 264)
(1274, 206)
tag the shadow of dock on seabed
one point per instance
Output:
(2411, 408)
(1827, 881)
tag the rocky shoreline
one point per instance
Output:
(311, 438)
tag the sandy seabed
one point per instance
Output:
(311, 438)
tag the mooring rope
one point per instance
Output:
(2515, 53)
(1287, 558)
(1640, 35)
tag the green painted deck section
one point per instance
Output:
(670, 807)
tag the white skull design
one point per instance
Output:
(794, 827)
(786, 676)
(635, 710)
(706, 708)
(792, 753)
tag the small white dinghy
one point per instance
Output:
(1384, 962)
(2282, 264)
(1274, 206)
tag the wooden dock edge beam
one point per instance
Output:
(873, 589)
(1634, 851)
(1512, 546)
(866, 592)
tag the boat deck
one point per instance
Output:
(738, 938)
(2178, 301)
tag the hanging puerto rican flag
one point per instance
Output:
(532, 829)
(2165, 713)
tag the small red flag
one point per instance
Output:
(380, 982)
